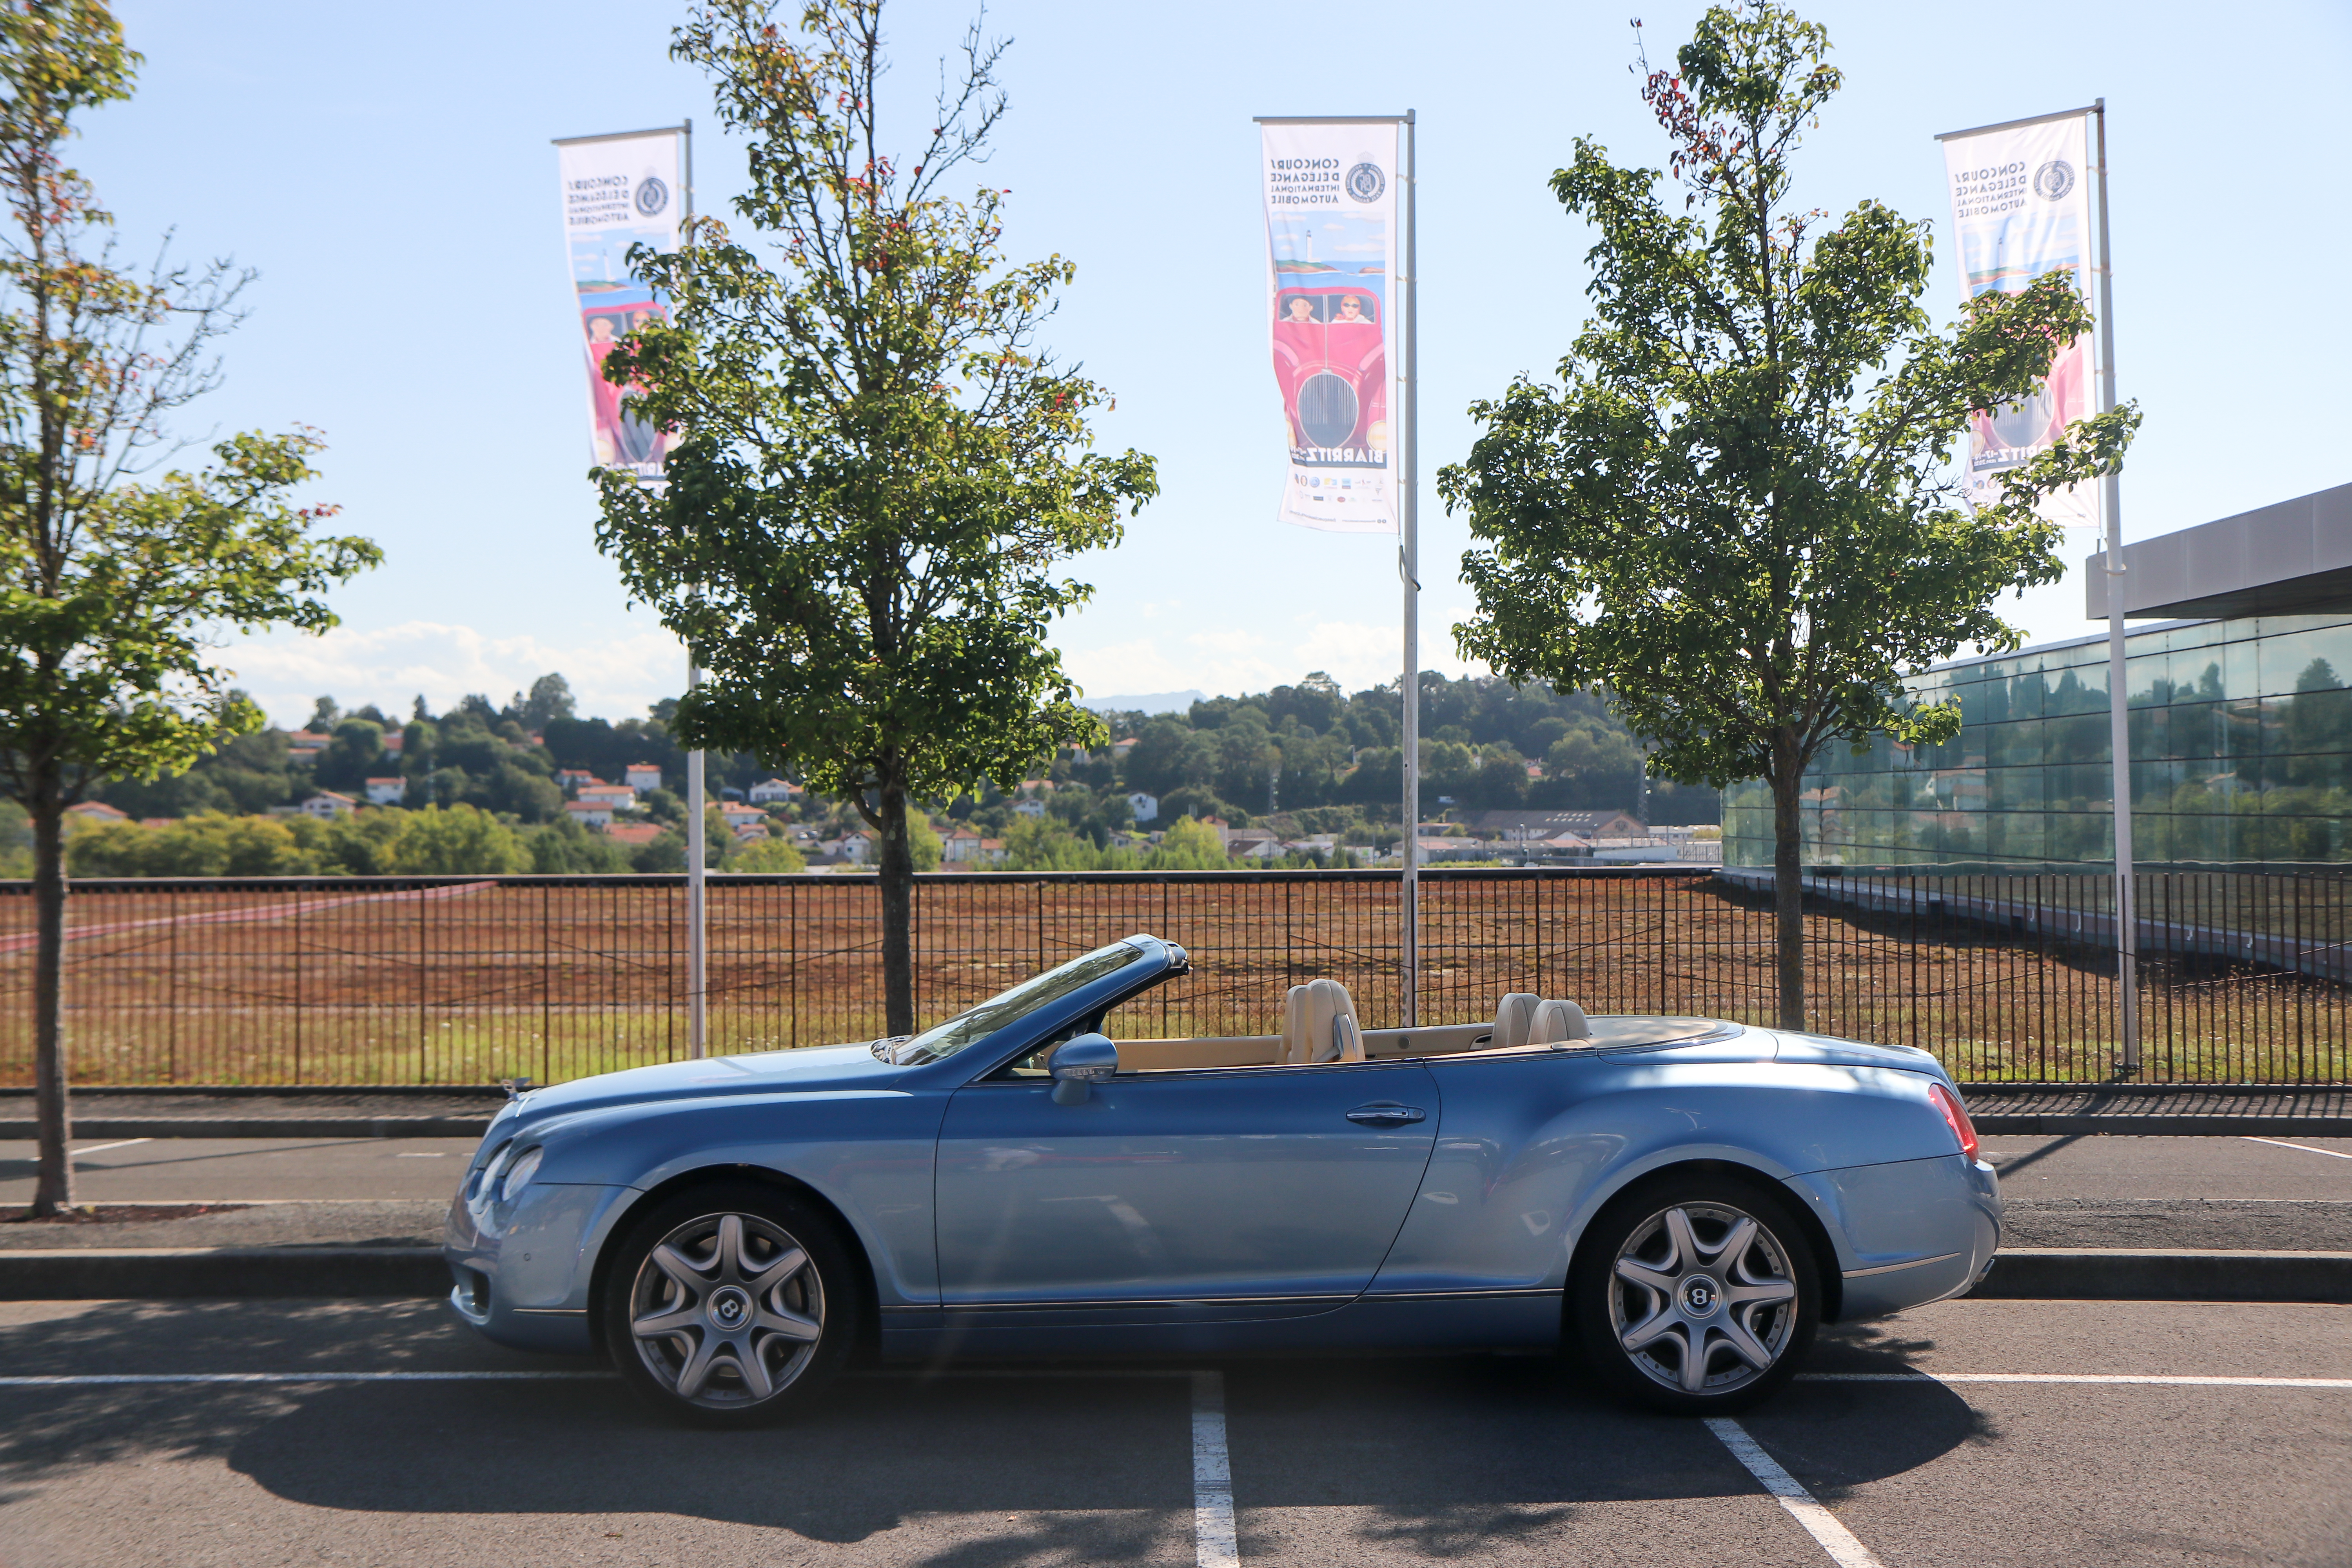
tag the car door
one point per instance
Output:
(1283, 1183)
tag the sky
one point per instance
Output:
(389, 177)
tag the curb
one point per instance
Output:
(2019, 1274)
(2066, 1123)
(263, 1127)
(67, 1274)
(2038, 1273)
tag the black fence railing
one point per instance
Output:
(355, 981)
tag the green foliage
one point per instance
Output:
(879, 471)
(564, 847)
(771, 855)
(1191, 846)
(1725, 512)
(923, 845)
(459, 839)
(1730, 511)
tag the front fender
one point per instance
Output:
(868, 1152)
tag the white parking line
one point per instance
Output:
(104, 1379)
(1214, 1544)
(2331, 1153)
(1820, 1523)
(103, 1148)
(2073, 1377)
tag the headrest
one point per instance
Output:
(1513, 1018)
(1318, 1025)
(1558, 1022)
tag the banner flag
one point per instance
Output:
(1331, 250)
(2022, 200)
(619, 191)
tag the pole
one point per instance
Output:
(697, 838)
(2118, 691)
(1409, 521)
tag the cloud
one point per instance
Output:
(614, 677)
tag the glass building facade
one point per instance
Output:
(2240, 754)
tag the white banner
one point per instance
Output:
(2021, 207)
(619, 191)
(1331, 250)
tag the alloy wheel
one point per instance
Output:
(726, 1310)
(1701, 1299)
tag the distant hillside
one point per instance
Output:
(1149, 702)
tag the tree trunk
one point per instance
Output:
(53, 1187)
(1787, 885)
(898, 878)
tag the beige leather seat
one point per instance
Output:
(1556, 1023)
(1318, 1025)
(1513, 1018)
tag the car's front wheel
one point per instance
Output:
(731, 1304)
(1695, 1295)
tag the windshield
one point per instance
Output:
(943, 1040)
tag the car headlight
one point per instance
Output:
(484, 1179)
(518, 1174)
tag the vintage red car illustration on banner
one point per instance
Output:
(1330, 357)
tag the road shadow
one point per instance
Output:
(1447, 1456)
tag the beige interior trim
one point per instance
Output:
(1443, 1040)
(1211, 1051)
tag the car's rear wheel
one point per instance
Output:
(1696, 1295)
(731, 1304)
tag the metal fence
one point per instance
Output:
(355, 981)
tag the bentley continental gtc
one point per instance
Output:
(1679, 1201)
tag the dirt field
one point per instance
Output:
(441, 981)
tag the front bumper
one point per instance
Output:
(523, 1272)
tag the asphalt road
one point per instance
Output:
(1339, 1462)
(2103, 1166)
(182, 1170)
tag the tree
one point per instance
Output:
(1729, 511)
(879, 471)
(113, 566)
(550, 699)
(460, 841)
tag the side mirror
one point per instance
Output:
(1079, 1063)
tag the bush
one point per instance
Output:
(460, 840)
(773, 854)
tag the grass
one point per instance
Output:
(550, 981)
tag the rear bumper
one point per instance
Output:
(1907, 1233)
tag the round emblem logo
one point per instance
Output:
(1700, 1296)
(652, 195)
(2054, 179)
(729, 1308)
(1365, 182)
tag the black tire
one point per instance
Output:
(1680, 1286)
(751, 1336)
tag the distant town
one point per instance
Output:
(1298, 776)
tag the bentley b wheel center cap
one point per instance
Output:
(730, 1308)
(1700, 1296)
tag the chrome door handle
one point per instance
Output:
(1386, 1115)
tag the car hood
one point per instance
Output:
(1825, 1050)
(811, 1069)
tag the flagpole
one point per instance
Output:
(2118, 688)
(697, 848)
(1409, 521)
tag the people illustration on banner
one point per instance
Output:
(624, 438)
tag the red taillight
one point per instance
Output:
(1956, 1117)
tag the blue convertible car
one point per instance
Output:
(1681, 1199)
